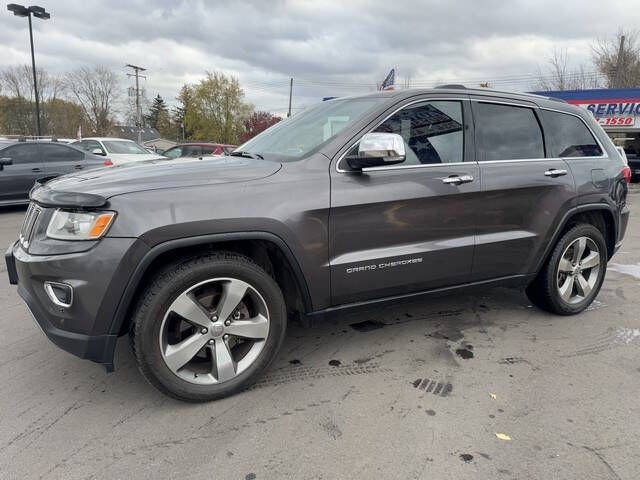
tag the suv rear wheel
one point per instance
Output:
(573, 274)
(207, 327)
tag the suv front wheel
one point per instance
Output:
(207, 327)
(573, 274)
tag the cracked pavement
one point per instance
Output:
(418, 390)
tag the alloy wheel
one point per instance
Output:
(578, 270)
(214, 330)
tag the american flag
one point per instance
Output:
(389, 81)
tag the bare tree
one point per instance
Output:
(17, 82)
(96, 90)
(560, 76)
(618, 59)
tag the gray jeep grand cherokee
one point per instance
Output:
(354, 202)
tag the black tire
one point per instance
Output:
(166, 287)
(543, 291)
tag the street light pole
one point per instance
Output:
(38, 12)
(35, 80)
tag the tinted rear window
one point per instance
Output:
(505, 132)
(568, 136)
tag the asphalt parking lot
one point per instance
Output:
(414, 391)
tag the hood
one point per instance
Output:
(158, 174)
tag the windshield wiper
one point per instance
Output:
(240, 153)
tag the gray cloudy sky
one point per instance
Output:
(329, 47)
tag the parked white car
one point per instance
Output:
(118, 150)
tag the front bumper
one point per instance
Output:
(84, 328)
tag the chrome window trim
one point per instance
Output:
(477, 162)
(422, 100)
(406, 167)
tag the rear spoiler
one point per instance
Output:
(48, 197)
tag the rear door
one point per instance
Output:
(408, 227)
(60, 159)
(524, 193)
(17, 179)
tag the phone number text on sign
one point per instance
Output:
(616, 121)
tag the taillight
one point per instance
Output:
(626, 171)
(107, 163)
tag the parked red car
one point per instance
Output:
(198, 150)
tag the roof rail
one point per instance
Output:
(455, 86)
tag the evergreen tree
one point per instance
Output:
(158, 116)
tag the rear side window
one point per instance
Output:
(52, 152)
(568, 136)
(505, 132)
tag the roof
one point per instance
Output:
(107, 138)
(131, 132)
(457, 90)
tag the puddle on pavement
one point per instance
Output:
(632, 270)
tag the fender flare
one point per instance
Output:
(565, 219)
(148, 258)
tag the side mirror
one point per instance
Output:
(98, 151)
(378, 149)
(5, 161)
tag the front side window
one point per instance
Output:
(505, 132)
(299, 135)
(433, 132)
(25, 153)
(91, 145)
(569, 136)
(124, 147)
(174, 152)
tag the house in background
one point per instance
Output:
(150, 137)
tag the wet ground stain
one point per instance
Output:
(466, 457)
(367, 326)
(465, 353)
(335, 363)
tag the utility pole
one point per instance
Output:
(619, 64)
(290, 95)
(136, 74)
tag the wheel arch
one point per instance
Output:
(600, 215)
(265, 248)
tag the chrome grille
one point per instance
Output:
(29, 223)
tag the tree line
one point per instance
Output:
(213, 109)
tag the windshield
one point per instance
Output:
(295, 137)
(123, 146)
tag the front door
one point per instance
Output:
(524, 194)
(17, 179)
(409, 227)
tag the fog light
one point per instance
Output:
(60, 294)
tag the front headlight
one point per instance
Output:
(65, 225)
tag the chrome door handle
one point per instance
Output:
(457, 179)
(553, 172)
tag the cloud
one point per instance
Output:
(333, 47)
